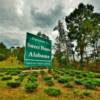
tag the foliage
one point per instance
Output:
(86, 93)
(31, 87)
(32, 78)
(52, 91)
(4, 52)
(42, 35)
(83, 27)
(35, 73)
(28, 81)
(49, 80)
(6, 77)
(20, 53)
(97, 75)
(13, 84)
(69, 85)
(46, 78)
(42, 72)
(64, 79)
(13, 72)
(88, 83)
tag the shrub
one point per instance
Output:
(2, 57)
(47, 78)
(35, 74)
(6, 78)
(13, 84)
(69, 85)
(64, 79)
(89, 84)
(96, 82)
(56, 76)
(77, 93)
(20, 78)
(49, 82)
(23, 74)
(52, 91)
(32, 78)
(86, 93)
(31, 87)
(78, 81)
(1, 74)
(50, 71)
(97, 75)
(71, 74)
(42, 72)
(90, 75)
(79, 76)
(60, 73)
(13, 72)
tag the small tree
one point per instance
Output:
(61, 51)
(4, 52)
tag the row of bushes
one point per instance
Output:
(77, 74)
(16, 82)
(88, 83)
(70, 77)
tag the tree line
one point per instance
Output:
(83, 28)
(17, 52)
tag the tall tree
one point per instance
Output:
(95, 36)
(80, 25)
(20, 53)
(42, 35)
(61, 44)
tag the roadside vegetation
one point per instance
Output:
(75, 71)
(73, 84)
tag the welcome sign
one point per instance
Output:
(37, 51)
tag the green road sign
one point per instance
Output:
(37, 51)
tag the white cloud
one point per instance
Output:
(20, 7)
(20, 16)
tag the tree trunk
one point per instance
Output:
(81, 60)
(73, 58)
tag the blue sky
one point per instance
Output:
(20, 16)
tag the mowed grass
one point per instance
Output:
(64, 80)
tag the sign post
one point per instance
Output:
(37, 52)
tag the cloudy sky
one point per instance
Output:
(20, 16)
